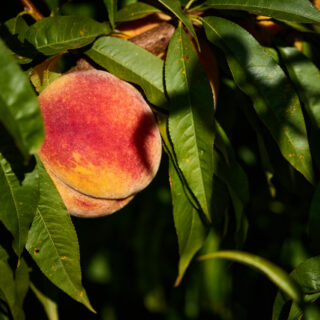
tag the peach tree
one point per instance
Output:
(234, 88)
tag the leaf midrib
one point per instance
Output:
(57, 252)
(128, 68)
(258, 90)
(193, 125)
(253, 6)
(15, 204)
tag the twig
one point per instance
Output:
(30, 8)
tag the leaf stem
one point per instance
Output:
(31, 9)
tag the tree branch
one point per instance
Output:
(31, 9)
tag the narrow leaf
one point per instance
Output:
(111, 6)
(261, 78)
(168, 148)
(175, 7)
(191, 231)
(8, 291)
(19, 110)
(278, 276)
(18, 203)
(306, 275)
(294, 10)
(305, 76)
(53, 243)
(50, 306)
(135, 11)
(12, 32)
(191, 119)
(55, 35)
(131, 63)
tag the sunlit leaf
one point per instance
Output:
(191, 231)
(111, 6)
(191, 119)
(50, 306)
(53, 243)
(295, 10)
(135, 11)
(131, 63)
(262, 79)
(175, 7)
(55, 35)
(272, 271)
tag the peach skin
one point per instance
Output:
(101, 137)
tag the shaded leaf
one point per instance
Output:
(261, 78)
(135, 11)
(53, 243)
(295, 10)
(19, 110)
(306, 275)
(273, 272)
(18, 202)
(191, 231)
(191, 119)
(55, 35)
(45, 73)
(50, 306)
(12, 32)
(111, 6)
(305, 76)
(8, 291)
(175, 7)
(131, 63)
(22, 281)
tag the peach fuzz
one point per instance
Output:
(101, 137)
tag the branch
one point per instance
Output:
(30, 8)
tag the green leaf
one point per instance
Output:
(50, 306)
(278, 276)
(294, 10)
(3, 254)
(306, 275)
(19, 110)
(18, 203)
(175, 7)
(45, 73)
(131, 63)
(22, 281)
(135, 11)
(53, 243)
(306, 77)
(111, 6)
(12, 32)
(8, 291)
(191, 231)
(260, 77)
(191, 119)
(55, 35)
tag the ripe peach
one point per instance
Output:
(101, 137)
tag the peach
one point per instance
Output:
(101, 140)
